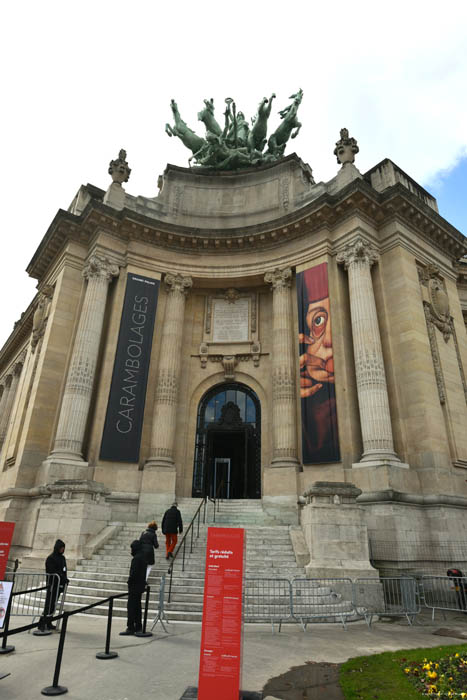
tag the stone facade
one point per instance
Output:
(398, 294)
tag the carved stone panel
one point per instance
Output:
(231, 320)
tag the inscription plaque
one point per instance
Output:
(230, 320)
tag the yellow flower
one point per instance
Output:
(432, 674)
(456, 655)
(426, 667)
(407, 670)
(463, 695)
(431, 689)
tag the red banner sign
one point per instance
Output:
(221, 637)
(6, 535)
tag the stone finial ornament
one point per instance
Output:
(346, 148)
(119, 169)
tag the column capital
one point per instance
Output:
(99, 266)
(279, 279)
(178, 283)
(358, 250)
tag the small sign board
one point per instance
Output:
(5, 593)
(222, 631)
(6, 535)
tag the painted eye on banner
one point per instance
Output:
(318, 324)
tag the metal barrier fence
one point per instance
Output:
(324, 599)
(386, 597)
(267, 600)
(33, 601)
(444, 593)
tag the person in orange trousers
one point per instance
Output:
(172, 525)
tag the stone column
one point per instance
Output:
(168, 377)
(284, 410)
(8, 398)
(68, 444)
(158, 485)
(375, 420)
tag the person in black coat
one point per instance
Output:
(148, 539)
(171, 525)
(54, 564)
(136, 586)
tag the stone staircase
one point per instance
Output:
(269, 554)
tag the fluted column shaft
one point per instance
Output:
(78, 389)
(7, 405)
(373, 402)
(168, 377)
(284, 429)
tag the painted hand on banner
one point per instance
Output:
(316, 363)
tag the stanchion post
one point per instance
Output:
(143, 633)
(55, 688)
(5, 649)
(107, 654)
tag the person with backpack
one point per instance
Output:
(148, 539)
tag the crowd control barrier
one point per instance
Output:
(267, 599)
(323, 599)
(386, 597)
(32, 602)
(56, 688)
(444, 593)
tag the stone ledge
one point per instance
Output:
(392, 496)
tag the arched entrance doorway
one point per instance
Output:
(228, 443)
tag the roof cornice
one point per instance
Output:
(326, 210)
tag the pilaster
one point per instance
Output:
(159, 470)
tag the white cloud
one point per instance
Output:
(82, 80)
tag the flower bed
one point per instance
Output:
(442, 678)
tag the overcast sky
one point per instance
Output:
(80, 80)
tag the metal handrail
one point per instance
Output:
(190, 529)
(217, 499)
(183, 541)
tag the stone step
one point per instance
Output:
(193, 558)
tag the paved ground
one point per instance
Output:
(164, 666)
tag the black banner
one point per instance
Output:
(125, 410)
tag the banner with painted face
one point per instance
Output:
(320, 438)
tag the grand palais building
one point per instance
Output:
(248, 331)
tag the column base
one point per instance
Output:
(380, 459)
(157, 489)
(62, 466)
(286, 462)
(76, 511)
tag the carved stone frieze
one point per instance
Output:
(440, 307)
(283, 384)
(205, 355)
(39, 321)
(167, 387)
(435, 354)
(231, 295)
(358, 251)
(229, 362)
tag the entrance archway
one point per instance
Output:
(228, 443)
